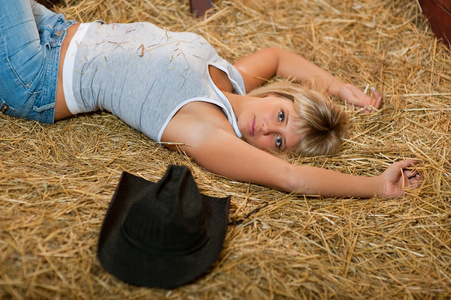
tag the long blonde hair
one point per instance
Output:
(322, 124)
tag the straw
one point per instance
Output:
(56, 181)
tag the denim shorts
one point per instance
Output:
(30, 43)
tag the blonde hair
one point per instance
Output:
(322, 124)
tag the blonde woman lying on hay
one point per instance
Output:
(177, 90)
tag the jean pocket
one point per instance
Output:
(29, 67)
(20, 107)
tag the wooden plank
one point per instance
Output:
(445, 4)
(438, 13)
(199, 7)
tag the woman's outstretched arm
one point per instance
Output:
(238, 160)
(221, 152)
(262, 65)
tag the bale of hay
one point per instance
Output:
(56, 181)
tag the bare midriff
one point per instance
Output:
(61, 109)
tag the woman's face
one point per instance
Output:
(268, 123)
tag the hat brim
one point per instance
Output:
(136, 266)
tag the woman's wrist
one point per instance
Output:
(379, 186)
(335, 87)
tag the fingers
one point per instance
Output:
(411, 173)
(403, 164)
(377, 98)
(401, 175)
(396, 170)
(412, 179)
(372, 104)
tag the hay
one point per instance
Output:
(56, 181)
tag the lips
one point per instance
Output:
(252, 127)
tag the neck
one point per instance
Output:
(237, 101)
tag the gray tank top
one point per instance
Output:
(144, 74)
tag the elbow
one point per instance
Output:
(276, 52)
(279, 56)
(274, 48)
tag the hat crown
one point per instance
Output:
(169, 217)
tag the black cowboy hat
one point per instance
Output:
(162, 234)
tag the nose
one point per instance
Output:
(267, 128)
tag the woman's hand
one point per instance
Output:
(352, 95)
(397, 177)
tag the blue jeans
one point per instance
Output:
(30, 43)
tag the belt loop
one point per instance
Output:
(4, 108)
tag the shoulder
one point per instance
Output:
(196, 123)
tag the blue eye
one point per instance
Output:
(281, 116)
(278, 142)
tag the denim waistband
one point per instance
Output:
(30, 74)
